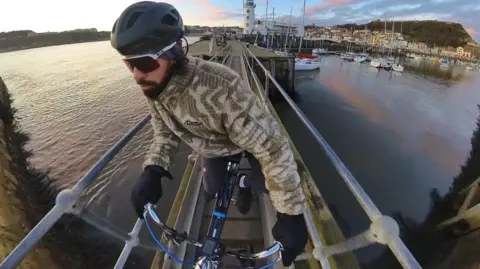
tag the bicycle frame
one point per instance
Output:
(211, 248)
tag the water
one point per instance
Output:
(400, 134)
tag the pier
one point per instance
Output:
(281, 67)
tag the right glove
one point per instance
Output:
(148, 188)
(292, 232)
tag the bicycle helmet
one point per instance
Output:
(146, 26)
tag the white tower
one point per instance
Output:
(248, 16)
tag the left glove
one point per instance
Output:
(148, 188)
(291, 231)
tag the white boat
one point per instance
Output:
(319, 51)
(305, 64)
(397, 67)
(469, 67)
(360, 59)
(375, 63)
(281, 53)
(348, 56)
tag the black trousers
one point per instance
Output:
(214, 174)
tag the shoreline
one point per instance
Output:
(13, 49)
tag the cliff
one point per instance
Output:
(431, 32)
(27, 39)
(27, 194)
(13, 213)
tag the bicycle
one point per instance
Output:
(212, 249)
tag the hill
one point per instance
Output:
(431, 32)
(27, 39)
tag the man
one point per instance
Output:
(207, 106)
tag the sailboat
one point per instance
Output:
(362, 57)
(395, 66)
(304, 64)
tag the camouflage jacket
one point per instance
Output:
(211, 109)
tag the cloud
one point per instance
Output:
(404, 7)
(365, 3)
(470, 7)
(424, 16)
(209, 11)
(310, 10)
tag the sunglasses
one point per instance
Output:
(146, 63)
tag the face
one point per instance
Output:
(149, 80)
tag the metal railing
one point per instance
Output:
(383, 229)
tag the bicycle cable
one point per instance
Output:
(162, 246)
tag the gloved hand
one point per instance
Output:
(292, 232)
(148, 188)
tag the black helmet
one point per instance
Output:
(146, 26)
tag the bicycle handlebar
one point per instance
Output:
(172, 234)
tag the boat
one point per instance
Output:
(469, 67)
(305, 65)
(281, 53)
(348, 56)
(397, 67)
(305, 56)
(361, 57)
(320, 51)
(375, 63)
(386, 65)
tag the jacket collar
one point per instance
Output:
(179, 83)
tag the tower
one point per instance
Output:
(248, 16)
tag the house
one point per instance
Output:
(460, 51)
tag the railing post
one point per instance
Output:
(267, 84)
(129, 244)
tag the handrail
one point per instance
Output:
(383, 229)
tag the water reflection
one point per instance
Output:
(453, 246)
(429, 68)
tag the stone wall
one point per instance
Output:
(13, 216)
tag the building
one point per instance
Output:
(253, 26)
(248, 16)
(460, 51)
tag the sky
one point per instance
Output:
(59, 15)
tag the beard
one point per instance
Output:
(155, 91)
(157, 88)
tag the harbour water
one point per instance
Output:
(401, 134)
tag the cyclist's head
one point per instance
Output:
(149, 35)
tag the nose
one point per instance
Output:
(138, 75)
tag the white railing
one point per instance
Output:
(383, 229)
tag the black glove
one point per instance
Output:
(148, 188)
(292, 232)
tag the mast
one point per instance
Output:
(266, 26)
(303, 26)
(391, 36)
(288, 29)
(273, 25)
